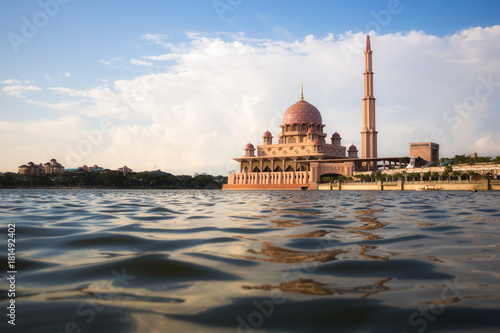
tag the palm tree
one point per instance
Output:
(435, 175)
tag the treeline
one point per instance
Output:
(114, 179)
(467, 159)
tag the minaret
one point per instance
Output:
(369, 133)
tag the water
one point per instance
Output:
(213, 261)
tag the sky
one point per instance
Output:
(183, 86)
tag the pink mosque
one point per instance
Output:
(304, 153)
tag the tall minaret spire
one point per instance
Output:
(369, 133)
(301, 90)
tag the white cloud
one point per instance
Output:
(222, 93)
(67, 74)
(163, 57)
(155, 38)
(19, 90)
(140, 62)
(74, 106)
(10, 81)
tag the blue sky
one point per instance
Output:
(193, 81)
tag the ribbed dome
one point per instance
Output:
(302, 113)
(249, 146)
(353, 148)
(317, 142)
(311, 130)
(267, 134)
(336, 135)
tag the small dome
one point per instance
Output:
(311, 130)
(317, 142)
(302, 113)
(267, 134)
(353, 148)
(336, 135)
(249, 146)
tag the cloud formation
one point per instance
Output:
(18, 90)
(221, 92)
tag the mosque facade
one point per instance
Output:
(302, 152)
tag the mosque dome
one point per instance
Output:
(302, 113)
(353, 148)
(311, 130)
(336, 135)
(317, 142)
(249, 146)
(267, 134)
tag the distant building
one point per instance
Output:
(41, 169)
(473, 155)
(429, 151)
(125, 170)
(53, 167)
(85, 168)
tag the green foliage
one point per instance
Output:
(114, 179)
(327, 179)
(419, 161)
(463, 159)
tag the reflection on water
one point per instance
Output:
(212, 261)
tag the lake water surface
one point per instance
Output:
(214, 261)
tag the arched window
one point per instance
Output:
(292, 140)
(294, 127)
(288, 128)
(303, 127)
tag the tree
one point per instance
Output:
(435, 175)
(419, 161)
(455, 174)
(427, 175)
(471, 174)
(404, 174)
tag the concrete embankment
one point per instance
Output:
(481, 185)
